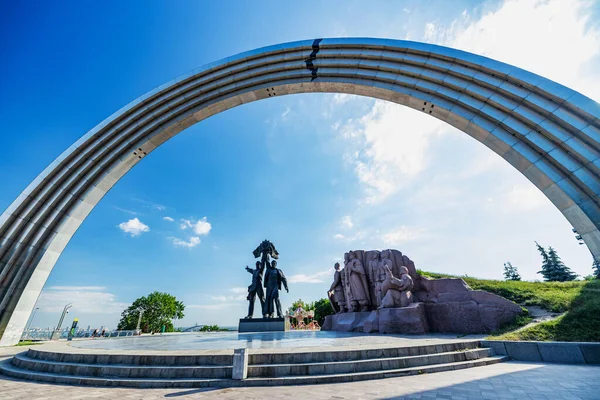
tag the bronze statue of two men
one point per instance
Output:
(274, 279)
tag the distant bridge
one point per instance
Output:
(194, 328)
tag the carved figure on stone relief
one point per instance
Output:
(376, 275)
(387, 258)
(345, 283)
(336, 291)
(396, 291)
(357, 282)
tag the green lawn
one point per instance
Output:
(579, 299)
(27, 343)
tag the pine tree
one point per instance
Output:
(546, 266)
(510, 272)
(563, 273)
(596, 268)
(553, 269)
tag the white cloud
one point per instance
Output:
(346, 222)
(126, 210)
(552, 38)
(193, 242)
(200, 227)
(168, 219)
(154, 206)
(539, 36)
(134, 227)
(218, 306)
(341, 98)
(525, 198)
(78, 288)
(393, 142)
(221, 301)
(314, 278)
(85, 299)
(401, 234)
(231, 298)
(357, 235)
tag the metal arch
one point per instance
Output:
(547, 131)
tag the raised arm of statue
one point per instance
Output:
(248, 269)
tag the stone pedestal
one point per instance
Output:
(348, 322)
(264, 325)
(407, 320)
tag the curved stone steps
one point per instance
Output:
(123, 370)
(132, 359)
(360, 376)
(366, 365)
(8, 369)
(264, 369)
(361, 354)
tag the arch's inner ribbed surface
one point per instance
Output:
(548, 132)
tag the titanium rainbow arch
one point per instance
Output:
(547, 131)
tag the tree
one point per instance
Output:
(300, 303)
(563, 273)
(596, 268)
(546, 267)
(322, 309)
(159, 310)
(553, 269)
(510, 272)
(211, 328)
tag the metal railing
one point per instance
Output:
(37, 334)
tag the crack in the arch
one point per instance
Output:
(313, 56)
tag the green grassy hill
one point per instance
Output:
(579, 300)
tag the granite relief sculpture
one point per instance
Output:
(356, 278)
(336, 291)
(396, 292)
(381, 291)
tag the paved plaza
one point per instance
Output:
(510, 380)
(258, 342)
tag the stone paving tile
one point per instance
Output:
(511, 380)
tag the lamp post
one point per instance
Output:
(56, 333)
(26, 331)
(137, 328)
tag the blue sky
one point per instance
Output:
(317, 174)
